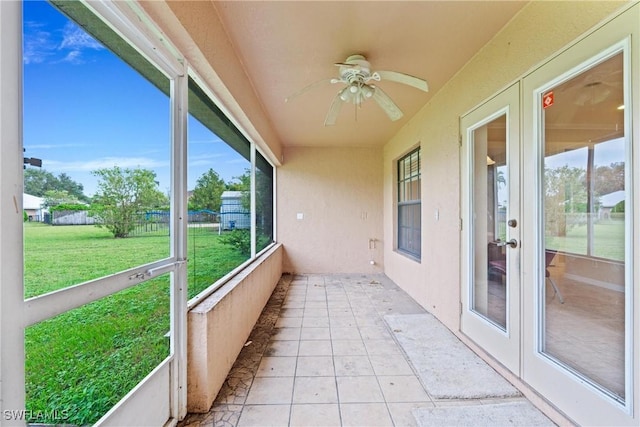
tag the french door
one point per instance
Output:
(580, 263)
(491, 227)
(550, 241)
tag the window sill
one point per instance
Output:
(409, 255)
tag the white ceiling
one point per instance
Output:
(285, 46)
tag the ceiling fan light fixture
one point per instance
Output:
(344, 95)
(367, 91)
(355, 73)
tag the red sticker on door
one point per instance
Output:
(547, 100)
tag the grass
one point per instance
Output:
(83, 362)
(608, 240)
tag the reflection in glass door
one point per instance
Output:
(582, 267)
(490, 201)
(491, 227)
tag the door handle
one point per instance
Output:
(513, 243)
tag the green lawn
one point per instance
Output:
(608, 240)
(84, 361)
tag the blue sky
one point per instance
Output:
(605, 153)
(85, 109)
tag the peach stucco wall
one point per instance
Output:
(539, 31)
(219, 325)
(338, 193)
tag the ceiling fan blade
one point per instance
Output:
(307, 88)
(334, 110)
(406, 79)
(387, 104)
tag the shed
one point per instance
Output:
(232, 213)
(608, 202)
(32, 205)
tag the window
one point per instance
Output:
(218, 178)
(409, 204)
(221, 205)
(264, 202)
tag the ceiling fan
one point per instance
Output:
(355, 73)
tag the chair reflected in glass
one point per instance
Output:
(498, 266)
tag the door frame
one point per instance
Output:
(504, 345)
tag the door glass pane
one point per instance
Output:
(490, 198)
(583, 276)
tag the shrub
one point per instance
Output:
(239, 239)
(619, 208)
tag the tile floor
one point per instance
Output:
(321, 355)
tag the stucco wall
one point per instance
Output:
(540, 30)
(338, 192)
(219, 325)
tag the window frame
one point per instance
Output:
(403, 203)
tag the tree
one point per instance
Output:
(38, 181)
(608, 179)
(243, 182)
(75, 189)
(264, 199)
(122, 194)
(208, 192)
(53, 198)
(565, 193)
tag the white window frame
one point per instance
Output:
(400, 204)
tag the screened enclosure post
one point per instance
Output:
(179, 219)
(12, 377)
(254, 241)
(274, 203)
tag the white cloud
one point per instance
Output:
(238, 160)
(202, 162)
(76, 39)
(204, 156)
(51, 146)
(105, 162)
(73, 57)
(38, 45)
(205, 141)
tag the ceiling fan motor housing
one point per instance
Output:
(356, 69)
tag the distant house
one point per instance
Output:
(608, 202)
(32, 205)
(232, 213)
